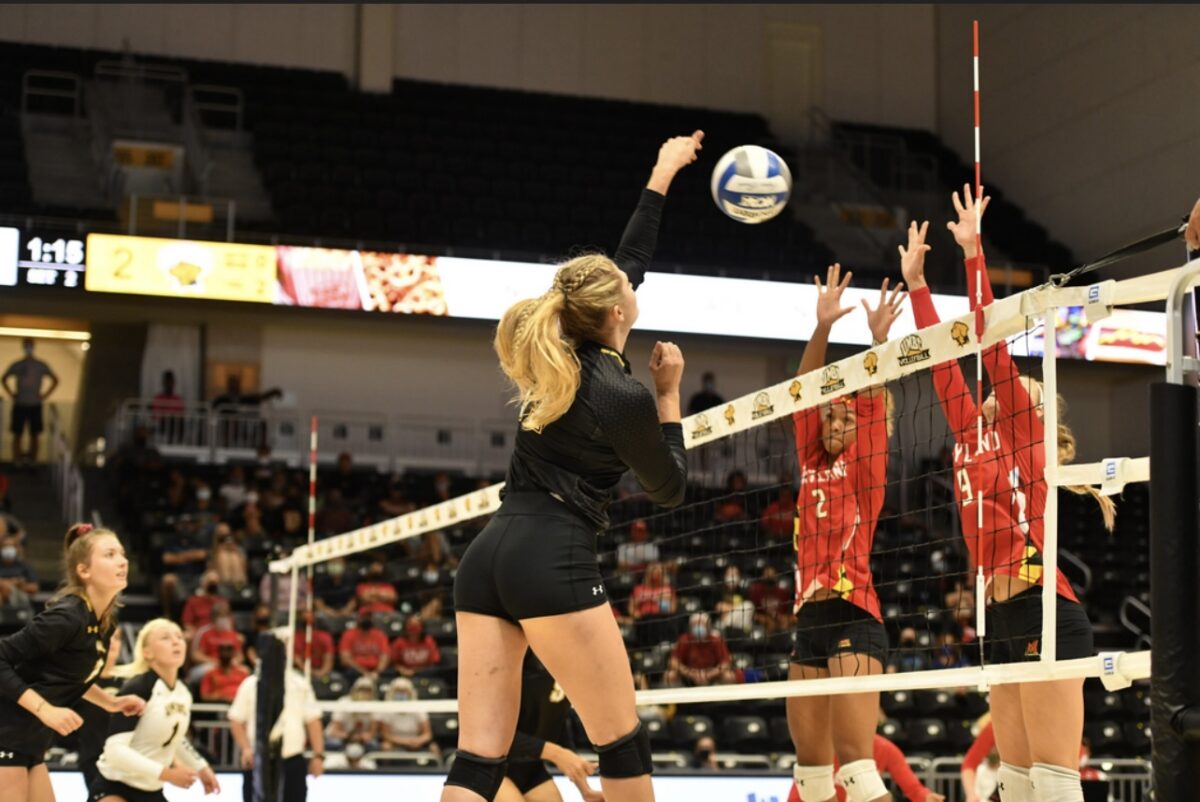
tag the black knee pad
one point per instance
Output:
(482, 775)
(628, 756)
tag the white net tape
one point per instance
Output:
(901, 356)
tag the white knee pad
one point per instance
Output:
(1055, 783)
(862, 781)
(1014, 784)
(814, 783)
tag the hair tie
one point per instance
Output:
(83, 529)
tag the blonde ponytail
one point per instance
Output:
(140, 665)
(537, 337)
(1066, 453)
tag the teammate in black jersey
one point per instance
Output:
(52, 662)
(530, 578)
(542, 736)
(92, 734)
(141, 755)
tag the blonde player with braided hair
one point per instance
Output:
(142, 755)
(530, 578)
(999, 480)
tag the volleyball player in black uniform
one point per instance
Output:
(52, 662)
(542, 735)
(91, 735)
(530, 578)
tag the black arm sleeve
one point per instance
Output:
(640, 238)
(653, 451)
(142, 685)
(48, 632)
(526, 748)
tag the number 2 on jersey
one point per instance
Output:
(819, 495)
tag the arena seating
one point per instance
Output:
(874, 149)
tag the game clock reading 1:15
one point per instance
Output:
(51, 261)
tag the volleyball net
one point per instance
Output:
(719, 573)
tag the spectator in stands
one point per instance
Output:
(232, 493)
(375, 594)
(335, 593)
(18, 582)
(208, 640)
(431, 597)
(363, 649)
(360, 728)
(408, 731)
(253, 535)
(228, 558)
(772, 601)
(27, 376)
(220, 683)
(167, 408)
(259, 623)
(185, 557)
(949, 652)
(704, 753)
(442, 486)
(204, 512)
(433, 548)
(732, 507)
(778, 518)
(323, 650)
(352, 758)
(9, 523)
(700, 656)
(199, 607)
(652, 605)
(272, 496)
(707, 398)
(248, 431)
(336, 514)
(639, 551)
(395, 503)
(293, 531)
(415, 651)
(908, 655)
(348, 485)
(734, 608)
(167, 401)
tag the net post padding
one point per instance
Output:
(268, 761)
(1174, 598)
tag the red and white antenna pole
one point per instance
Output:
(980, 580)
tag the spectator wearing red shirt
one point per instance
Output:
(414, 651)
(778, 519)
(374, 593)
(651, 606)
(209, 639)
(221, 682)
(198, 609)
(890, 760)
(700, 656)
(363, 649)
(772, 601)
(322, 651)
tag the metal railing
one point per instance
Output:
(389, 443)
(67, 479)
(51, 84)
(1129, 606)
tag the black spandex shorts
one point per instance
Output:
(26, 415)
(534, 558)
(527, 775)
(106, 787)
(1015, 629)
(24, 739)
(831, 627)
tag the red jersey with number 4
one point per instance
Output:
(838, 505)
(1002, 472)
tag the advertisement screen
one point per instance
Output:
(180, 268)
(331, 278)
(1126, 335)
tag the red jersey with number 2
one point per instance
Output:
(839, 504)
